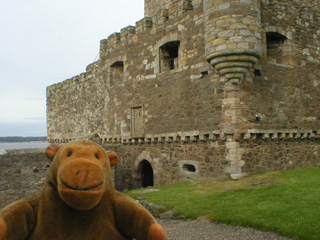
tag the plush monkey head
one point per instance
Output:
(81, 172)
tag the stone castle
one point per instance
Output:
(200, 89)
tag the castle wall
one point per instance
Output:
(22, 173)
(285, 97)
(263, 155)
(160, 10)
(75, 106)
(228, 86)
(285, 93)
(182, 99)
(211, 157)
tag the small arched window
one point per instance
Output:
(117, 72)
(279, 49)
(169, 55)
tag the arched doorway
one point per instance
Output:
(146, 172)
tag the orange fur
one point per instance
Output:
(3, 229)
(78, 201)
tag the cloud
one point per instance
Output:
(46, 42)
(15, 108)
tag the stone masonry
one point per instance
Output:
(22, 173)
(200, 89)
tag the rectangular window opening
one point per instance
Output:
(137, 122)
(169, 55)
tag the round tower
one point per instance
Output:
(233, 38)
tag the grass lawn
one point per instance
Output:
(287, 202)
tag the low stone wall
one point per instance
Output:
(173, 161)
(22, 173)
(170, 162)
(263, 155)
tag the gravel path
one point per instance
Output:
(202, 229)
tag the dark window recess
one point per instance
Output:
(189, 168)
(165, 14)
(169, 55)
(257, 75)
(257, 72)
(275, 46)
(204, 74)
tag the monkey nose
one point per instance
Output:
(81, 175)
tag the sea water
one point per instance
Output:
(23, 145)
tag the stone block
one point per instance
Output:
(238, 151)
(166, 215)
(238, 26)
(218, 41)
(226, 34)
(156, 210)
(232, 46)
(251, 40)
(233, 157)
(224, 6)
(243, 45)
(245, 33)
(236, 39)
(237, 176)
(221, 47)
(245, 1)
(232, 145)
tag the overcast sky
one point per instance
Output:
(44, 42)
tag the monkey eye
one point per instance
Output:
(69, 153)
(96, 155)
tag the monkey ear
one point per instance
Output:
(113, 157)
(51, 151)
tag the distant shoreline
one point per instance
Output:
(23, 145)
(22, 139)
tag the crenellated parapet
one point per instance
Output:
(144, 24)
(155, 8)
(118, 39)
(233, 38)
(127, 32)
(204, 136)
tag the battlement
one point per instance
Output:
(155, 7)
(127, 32)
(118, 39)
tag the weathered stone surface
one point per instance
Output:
(243, 79)
(167, 215)
(17, 176)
